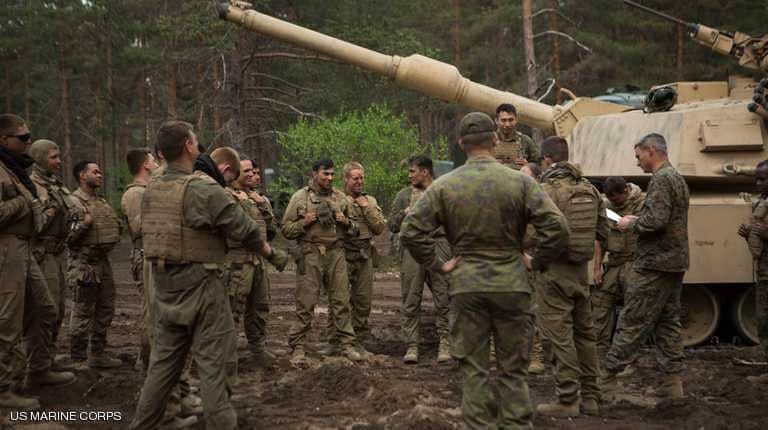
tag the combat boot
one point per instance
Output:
(444, 351)
(627, 372)
(361, 349)
(411, 355)
(50, 377)
(351, 353)
(329, 349)
(610, 387)
(536, 366)
(758, 379)
(102, 360)
(191, 405)
(672, 387)
(558, 409)
(298, 356)
(589, 407)
(262, 357)
(62, 362)
(13, 401)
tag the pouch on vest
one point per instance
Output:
(579, 202)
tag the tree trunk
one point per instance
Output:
(8, 98)
(148, 107)
(214, 100)
(530, 56)
(553, 26)
(171, 90)
(679, 57)
(64, 88)
(27, 98)
(200, 96)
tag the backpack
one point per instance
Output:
(579, 201)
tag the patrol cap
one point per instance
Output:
(476, 123)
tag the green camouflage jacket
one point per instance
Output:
(484, 208)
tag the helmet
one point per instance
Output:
(660, 99)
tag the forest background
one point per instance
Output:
(99, 76)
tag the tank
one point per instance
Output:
(715, 131)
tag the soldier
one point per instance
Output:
(141, 164)
(413, 275)
(49, 246)
(484, 209)
(367, 215)
(190, 303)
(536, 367)
(624, 199)
(318, 218)
(514, 149)
(26, 309)
(652, 297)
(756, 235)
(249, 284)
(563, 289)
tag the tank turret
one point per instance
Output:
(716, 135)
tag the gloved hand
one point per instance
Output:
(279, 259)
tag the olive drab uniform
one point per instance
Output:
(413, 275)
(360, 253)
(620, 248)
(50, 243)
(323, 260)
(652, 298)
(89, 274)
(484, 208)
(759, 250)
(26, 309)
(520, 145)
(186, 220)
(565, 311)
(248, 282)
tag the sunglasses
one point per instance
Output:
(24, 138)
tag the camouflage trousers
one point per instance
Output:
(566, 322)
(413, 276)
(249, 299)
(606, 298)
(360, 269)
(54, 268)
(761, 300)
(322, 266)
(651, 308)
(27, 312)
(93, 307)
(190, 313)
(475, 317)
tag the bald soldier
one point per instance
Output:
(190, 302)
(514, 149)
(484, 208)
(49, 246)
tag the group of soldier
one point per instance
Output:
(504, 243)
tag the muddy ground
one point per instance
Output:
(383, 393)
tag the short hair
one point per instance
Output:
(614, 185)
(556, 148)
(479, 139)
(653, 140)
(322, 164)
(422, 162)
(228, 156)
(761, 164)
(135, 159)
(506, 107)
(79, 168)
(535, 169)
(352, 165)
(9, 123)
(171, 137)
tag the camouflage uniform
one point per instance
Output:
(190, 310)
(652, 299)
(621, 250)
(519, 145)
(89, 274)
(131, 206)
(759, 250)
(484, 208)
(248, 283)
(323, 260)
(26, 309)
(49, 245)
(564, 307)
(413, 275)
(359, 254)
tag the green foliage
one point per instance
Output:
(377, 138)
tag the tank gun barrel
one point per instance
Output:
(751, 52)
(415, 72)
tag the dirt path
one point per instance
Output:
(383, 393)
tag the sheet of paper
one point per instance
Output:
(613, 216)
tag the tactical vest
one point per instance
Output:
(578, 200)
(165, 235)
(318, 233)
(56, 228)
(507, 151)
(357, 215)
(754, 241)
(25, 226)
(105, 228)
(236, 252)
